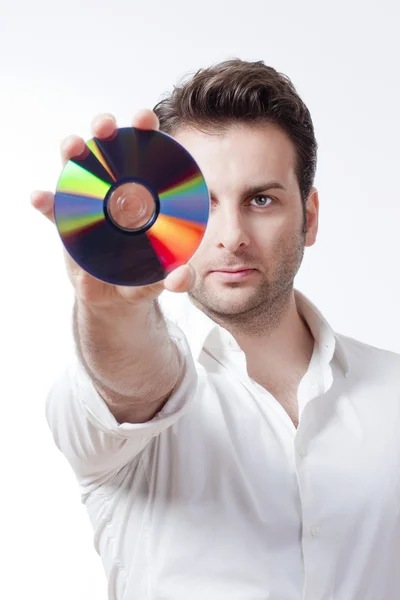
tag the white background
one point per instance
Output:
(64, 62)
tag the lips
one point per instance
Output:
(230, 275)
(232, 269)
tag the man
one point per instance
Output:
(230, 444)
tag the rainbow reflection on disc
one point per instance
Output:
(158, 170)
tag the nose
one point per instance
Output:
(229, 230)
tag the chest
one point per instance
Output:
(242, 447)
(281, 384)
(283, 389)
(250, 498)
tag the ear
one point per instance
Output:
(312, 213)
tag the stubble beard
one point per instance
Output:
(260, 311)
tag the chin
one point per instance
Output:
(226, 300)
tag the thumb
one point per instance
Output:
(181, 279)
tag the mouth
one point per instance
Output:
(230, 274)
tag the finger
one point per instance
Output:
(145, 119)
(103, 126)
(44, 203)
(181, 279)
(71, 147)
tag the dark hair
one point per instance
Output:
(249, 92)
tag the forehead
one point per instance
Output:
(242, 154)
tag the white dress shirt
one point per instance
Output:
(220, 497)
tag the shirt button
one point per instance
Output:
(314, 530)
(302, 452)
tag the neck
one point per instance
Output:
(285, 346)
(275, 340)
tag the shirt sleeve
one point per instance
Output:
(86, 432)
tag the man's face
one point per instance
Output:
(254, 242)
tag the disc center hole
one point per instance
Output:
(131, 206)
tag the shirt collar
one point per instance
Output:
(326, 340)
(201, 330)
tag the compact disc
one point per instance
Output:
(132, 208)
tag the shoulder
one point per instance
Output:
(370, 359)
(364, 350)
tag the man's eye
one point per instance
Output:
(261, 201)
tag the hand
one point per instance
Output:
(90, 291)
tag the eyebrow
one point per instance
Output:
(257, 189)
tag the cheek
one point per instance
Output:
(267, 233)
(276, 239)
(283, 227)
